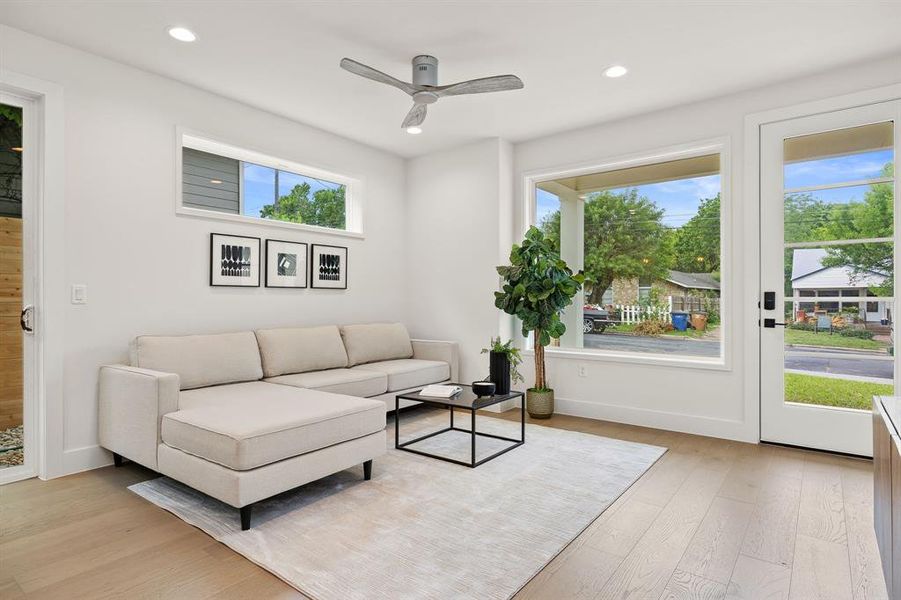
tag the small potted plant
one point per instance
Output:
(538, 285)
(503, 359)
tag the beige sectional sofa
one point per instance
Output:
(244, 416)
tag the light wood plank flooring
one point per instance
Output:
(713, 519)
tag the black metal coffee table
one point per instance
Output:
(465, 400)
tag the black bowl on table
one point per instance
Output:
(483, 388)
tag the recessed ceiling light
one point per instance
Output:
(414, 130)
(16, 148)
(616, 71)
(182, 34)
(216, 181)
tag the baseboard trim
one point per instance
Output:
(706, 426)
(77, 460)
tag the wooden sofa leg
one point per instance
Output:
(367, 470)
(245, 516)
(117, 459)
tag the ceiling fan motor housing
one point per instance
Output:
(425, 70)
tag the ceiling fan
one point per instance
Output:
(425, 89)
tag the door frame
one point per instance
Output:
(43, 170)
(752, 207)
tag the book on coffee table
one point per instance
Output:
(440, 391)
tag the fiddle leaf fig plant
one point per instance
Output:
(538, 285)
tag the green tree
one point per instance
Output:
(696, 245)
(624, 237)
(325, 208)
(804, 216)
(871, 218)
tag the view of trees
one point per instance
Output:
(325, 207)
(808, 220)
(625, 237)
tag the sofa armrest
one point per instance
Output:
(449, 352)
(131, 405)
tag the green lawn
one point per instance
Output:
(826, 391)
(809, 338)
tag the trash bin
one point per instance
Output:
(699, 321)
(680, 321)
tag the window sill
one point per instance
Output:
(705, 364)
(221, 216)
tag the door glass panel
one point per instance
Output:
(839, 309)
(11, 355)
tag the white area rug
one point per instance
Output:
(423, 528)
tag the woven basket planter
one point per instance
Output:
(540, 405)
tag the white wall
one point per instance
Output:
(710, 402)
(146, 268)
(459, 209)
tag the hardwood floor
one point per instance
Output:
(713, 519)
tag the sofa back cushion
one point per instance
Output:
(300, 349)
(200, 360)
(376, 341)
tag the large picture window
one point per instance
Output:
(648, 237)
(225, 181)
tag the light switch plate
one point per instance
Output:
(79, 293)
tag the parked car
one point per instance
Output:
(595, 319)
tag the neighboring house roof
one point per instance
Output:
(693, 281)
(809, 273)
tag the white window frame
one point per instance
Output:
(719, 145)
(353, 213)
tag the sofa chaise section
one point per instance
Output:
(243, 426)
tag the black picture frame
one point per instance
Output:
(301, 264)
(215, 262)
(315, 281)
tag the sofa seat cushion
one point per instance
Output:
(247, 425)
(407, 373)
(353, 382)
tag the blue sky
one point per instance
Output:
(853, 167)
(259, 186)
(680, 198)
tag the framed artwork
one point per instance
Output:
(328, 267)
(234, 261)
(286, 264)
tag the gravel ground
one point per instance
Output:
(11, 447)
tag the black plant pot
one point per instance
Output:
(499, 372)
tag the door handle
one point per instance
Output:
(25, 319)
(771, 323)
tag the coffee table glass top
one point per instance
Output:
(465, 399)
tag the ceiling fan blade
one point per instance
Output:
(369, 73)
(498, 83)
(416, 116)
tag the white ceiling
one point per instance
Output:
(283, 56)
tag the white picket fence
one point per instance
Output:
(637, 314)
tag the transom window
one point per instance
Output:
(224, 181)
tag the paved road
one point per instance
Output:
(817, 360)
(837, 362)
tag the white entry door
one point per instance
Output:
(829, 227)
